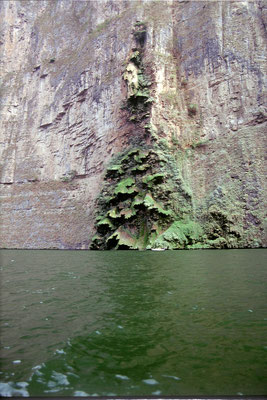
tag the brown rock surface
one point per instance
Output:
(62, 117)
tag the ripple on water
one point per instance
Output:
(60, 351)
(122, 377)
(59, 378)
(176, 378)
(11, 389)
(150, 381)
(112, 325)
(80, 393)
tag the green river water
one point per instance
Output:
(130, 323)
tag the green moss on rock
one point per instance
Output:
(140, 168)
(151, 204)
(121, 238)
(138, 208)
(104, 225)
(124, 186)
(145, 203)
(179, 235)
(139, 99)
(113, 170)
(128, 213)
(154, 179)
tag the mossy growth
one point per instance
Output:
(69, 176)
(135, 209)
(222, 220)
(181, 234)
(121, 238)
(104, 225)
(200, 143)
(140, 33)
(139, 99)
(222, 228)
(192, 109)
(153, 179)
(145, 203)
(114, 169)
(124, 186)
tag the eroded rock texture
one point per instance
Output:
(84, 82)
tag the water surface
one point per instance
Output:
(129, 323)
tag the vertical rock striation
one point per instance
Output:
(175, 88)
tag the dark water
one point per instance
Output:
(132, 323)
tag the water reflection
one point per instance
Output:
(127, 347)
(138, 323)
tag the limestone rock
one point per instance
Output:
(63, 115)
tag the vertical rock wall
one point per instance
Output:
(224, 61)
(60, 116)
(63, 113)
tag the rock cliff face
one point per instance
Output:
(133, 124)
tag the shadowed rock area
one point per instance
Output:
(133, 124)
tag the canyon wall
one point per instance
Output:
(86, 82)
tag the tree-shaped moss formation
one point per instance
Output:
(137, 207)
